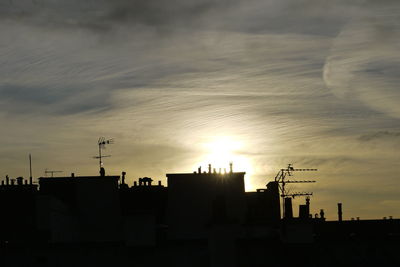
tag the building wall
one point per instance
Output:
(91, 207)
(197, 201)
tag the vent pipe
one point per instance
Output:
(339, 205)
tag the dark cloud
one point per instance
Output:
(56, 101)
(381, 135)
(305, 16)
(155, 12)
(103, 14)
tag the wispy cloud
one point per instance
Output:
(308, 82)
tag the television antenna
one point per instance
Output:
(281, 179)
(46, 171)
(102, 142)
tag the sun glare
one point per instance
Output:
(221, 151)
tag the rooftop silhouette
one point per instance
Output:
(204, 218)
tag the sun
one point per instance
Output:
(223, 150)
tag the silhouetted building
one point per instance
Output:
(143, 208)
(18, 212)
(80, 209)
(199, 219)
(263, 206)
(198, 200)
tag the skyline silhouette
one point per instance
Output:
(180, 84)
(201, 218)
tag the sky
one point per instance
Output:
(183, 83)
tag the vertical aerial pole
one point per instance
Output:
(100, 163)
(30, 169)
(281, 179)
(102, 142)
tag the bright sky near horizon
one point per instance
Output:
(184, 83)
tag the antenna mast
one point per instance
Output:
(102, 142)
(281, 179)
(30, 169)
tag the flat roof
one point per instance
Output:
(212, 173)
(70, 178)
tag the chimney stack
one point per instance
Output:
(230, 167)
(339, 205)
(20, 181)
(209, 168)
(123, 177)
(288, 208)
(7, 180)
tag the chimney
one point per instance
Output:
(7, 180)
(339, 205)
(159, 183)
(199, 170)
(303, 214)
(209, 168)
(288, 208)
(322, 214)
(123, 177)
(20, 181)
(214, 170)
(134, 183)
(72, 175)
(230, 167)
(12, 181)
(102, 172)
